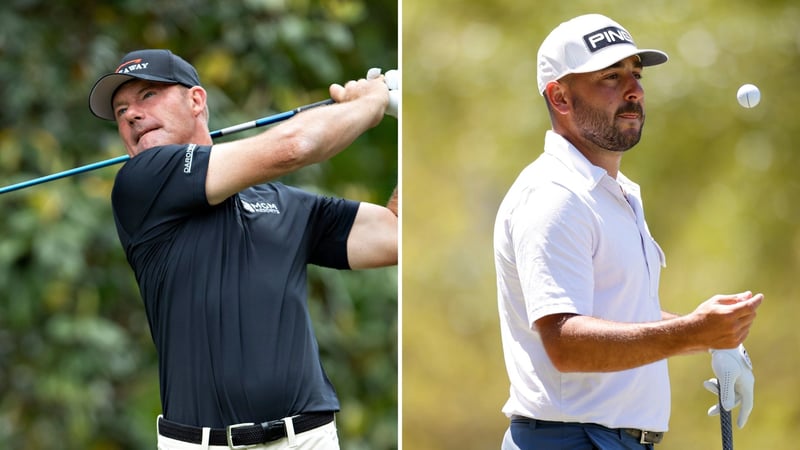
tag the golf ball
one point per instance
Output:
(748, 95)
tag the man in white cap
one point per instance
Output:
(584, 336)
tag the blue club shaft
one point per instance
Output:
(275, 118)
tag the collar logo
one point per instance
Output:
(600, 39)
(130, 66)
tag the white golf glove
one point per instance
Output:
(392, 80)
(734, 382)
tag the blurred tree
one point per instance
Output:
(77, 364)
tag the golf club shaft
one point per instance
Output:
(275, 118)
(725, 428)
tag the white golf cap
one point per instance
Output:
(585, 44)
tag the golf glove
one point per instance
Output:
(734, 382)
(392, 80)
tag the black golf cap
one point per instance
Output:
(154, 65)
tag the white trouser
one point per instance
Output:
(320, 438)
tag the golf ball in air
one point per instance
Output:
(748, 95)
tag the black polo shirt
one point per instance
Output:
(225, 287)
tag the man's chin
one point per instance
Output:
(629, 138)
(149, 140)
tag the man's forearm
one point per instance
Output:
(587, 344)
(310, 137)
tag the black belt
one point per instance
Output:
(643, 436)
(243, 434)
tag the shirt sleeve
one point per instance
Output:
(332, 220)
(159, 188)
(552, 234)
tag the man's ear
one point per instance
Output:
(198, 96)
(558, 96)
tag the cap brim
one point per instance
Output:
(649, 57)
(103, 92)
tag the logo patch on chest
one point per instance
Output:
(260, 207)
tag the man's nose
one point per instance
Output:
(634, 91)
(132, 114)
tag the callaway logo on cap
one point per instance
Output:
(585, 44)
(130, 66)
(153, 65)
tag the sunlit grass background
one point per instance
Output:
(719, 185)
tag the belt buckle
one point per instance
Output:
(228, 433)
(647, 439)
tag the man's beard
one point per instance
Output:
(595, 127)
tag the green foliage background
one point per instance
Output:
(77, 364)
(719, 182)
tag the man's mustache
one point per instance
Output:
(631, 107)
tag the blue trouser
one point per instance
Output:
(529, 434)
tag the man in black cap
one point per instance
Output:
(220, 251)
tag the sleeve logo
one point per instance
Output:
(188, 158)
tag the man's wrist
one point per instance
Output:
(740, 350)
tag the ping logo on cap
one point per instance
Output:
(600, 39)
(130, 66)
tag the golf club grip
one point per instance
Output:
(725, 428)
(269, 120)
(314, 105)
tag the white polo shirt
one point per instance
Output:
(569, 238)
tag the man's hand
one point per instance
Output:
(734, 382)
(392, 80)
(724, 321)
